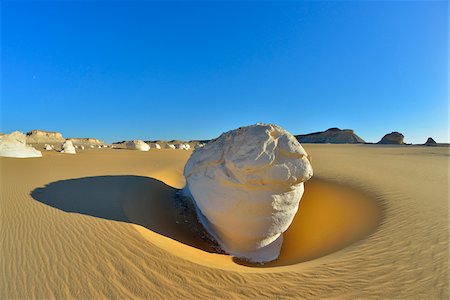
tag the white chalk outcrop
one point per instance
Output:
(81, 147)
(137, 145)
(157, 146)
(170, 146)
(14, 145)
(67, 147)
(47, 147)
(186, 146)
(247, 185)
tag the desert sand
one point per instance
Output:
(110, 223)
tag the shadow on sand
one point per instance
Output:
(331, 217)
(132, 199)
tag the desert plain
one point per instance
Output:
(110, 223)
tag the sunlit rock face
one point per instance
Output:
(170, 146)
(14, 145)
(67, 147)
(137, 145)
(247, 185)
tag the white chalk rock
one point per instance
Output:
(170, 146)
(186, 147)
(247, 185)
(76, 147)
(48, 147)
(67, 147)
(14, 145)
(81, 147)
(92, 146)
(137, 145)
(157, 146)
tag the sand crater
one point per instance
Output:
(330, 217)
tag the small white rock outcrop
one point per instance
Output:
(137, 145)
(67, 147)
(48, 147)
(14, 145)
(81, 147)
(170, 146)
(186, 147)
(247, 185)
(156, 146)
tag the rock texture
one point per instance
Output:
(48, 147)
(247, 185)
(170, 146)
(14, 145)
(332, 136)
(42, 136)
(137, 145)
(395, 138)
(67, 147)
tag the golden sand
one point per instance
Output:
(108, 223)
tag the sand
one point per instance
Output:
(373, 223)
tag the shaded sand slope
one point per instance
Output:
(55, 246)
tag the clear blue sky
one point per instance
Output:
(191, 70)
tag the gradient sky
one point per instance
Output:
(191, 70)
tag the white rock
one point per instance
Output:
(92, 146)
(81, 147)
(157, 146)
(105, 146)
(247, 185)
(137, 145)
(14, 145)
(187, 147)
(170, 146)
(48, 147)
(67, 147)
(76, 146)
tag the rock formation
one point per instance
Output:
(395, 138)
(14, 145)
(247, 185)
(170, 146)
(67, 147)
(332, 136)
(41, 136)
(137, 145)
(430, 142)
(48, 147)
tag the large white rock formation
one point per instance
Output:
(137, 145)
(14, 145)
(67, 147)
(247, 185)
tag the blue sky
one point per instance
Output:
(191, 70)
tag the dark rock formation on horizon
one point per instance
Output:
(430, 142)
(393, 138)
(331, 136)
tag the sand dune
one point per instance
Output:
(373, 223)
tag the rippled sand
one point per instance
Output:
(110, 223)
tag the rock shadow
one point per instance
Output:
(132, 199)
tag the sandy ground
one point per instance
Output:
(110, 223)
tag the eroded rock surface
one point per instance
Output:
(247, 185)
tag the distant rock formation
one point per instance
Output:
(48, 147)
(42, 136)
(14, 145)
(393, 138)
(331, 136)
(137, 145)
(430, 142)
(86, 141)
(170, 146)
(67, 147)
